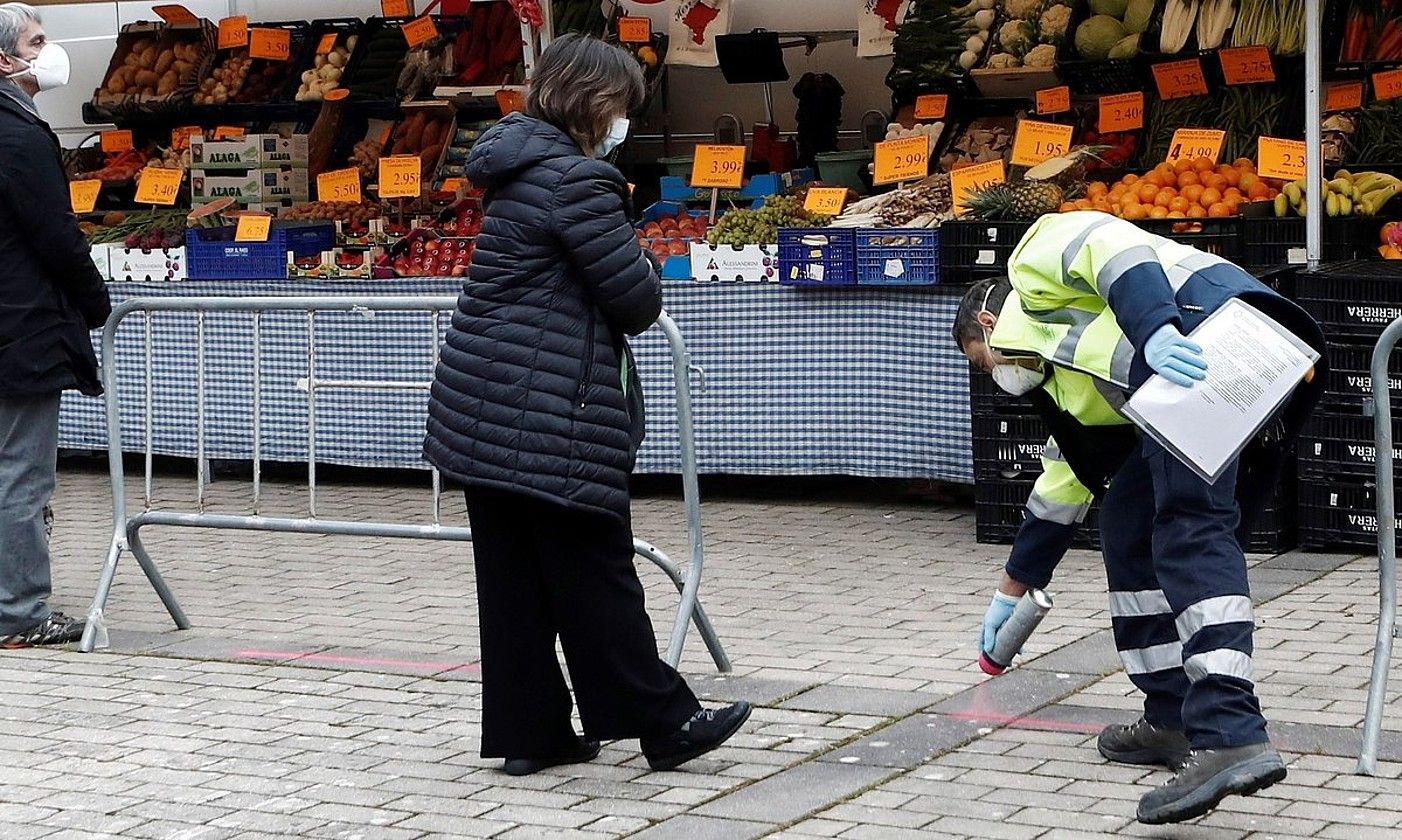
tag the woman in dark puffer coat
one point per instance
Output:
(535, 409)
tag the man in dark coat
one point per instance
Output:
(50, 296)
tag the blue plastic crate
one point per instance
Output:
(675, 188)
(817, 257)
(898, 256)
(212, 255)
(678, 267)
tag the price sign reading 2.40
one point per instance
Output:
(1283, 159)
(906, 159)
(1193, 143)
(718, 167)
(339, 185)
(1122, 112)
(1039, 141)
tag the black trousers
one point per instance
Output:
(545, 570)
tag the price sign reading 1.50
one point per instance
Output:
(718, 167)
(1193, 143)
(1284, 159)
(906, 159)
(1039, 141)
(1122, 112)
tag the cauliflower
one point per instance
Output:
(1054, 21)
(1024, 9)
(1013, 35)
(1040, 56)
(1003, 61)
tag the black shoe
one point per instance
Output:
(1206, 778)
(583, 751)
(707, 729)
(1142, 742)
(57, 629)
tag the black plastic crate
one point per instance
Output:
(971, 249)
(1339, 513)
(1271, 242)
(1352, 300)
(986, 399)
(1350, 382)
(1215, 236)
(1008, 446)
(1000, 506)
(1099, 77)
(1334, 445)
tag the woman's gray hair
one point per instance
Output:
(581, 84)
(14, 17)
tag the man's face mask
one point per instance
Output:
(50, 68)
(1010, 377)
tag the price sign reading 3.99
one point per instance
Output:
(906, 159)
(1284, 159)
(1193, 143)
(399, 176)
(968, 178)
(1039, 141)
(718, 167)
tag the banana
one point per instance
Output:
(1282, 205)
(1345, 174)
(1292, 192)
(1374, 201)
(1345, 206)
(1331, 205)
(1343, 186)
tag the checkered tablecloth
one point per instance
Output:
(854, 381)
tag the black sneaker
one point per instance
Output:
(1142, 742)
(1206, 778)
(57, 629)
(707, 729)
(583, 751)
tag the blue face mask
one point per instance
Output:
(618, 132)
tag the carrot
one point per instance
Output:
(1390, 43)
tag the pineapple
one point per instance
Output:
(1022, 201)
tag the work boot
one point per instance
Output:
(57, 629)
(1208, 776)
(581, 752)
(707, 729)
(1142, 742)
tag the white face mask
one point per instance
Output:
(49, 68)
(618, 132)
(1016, 379)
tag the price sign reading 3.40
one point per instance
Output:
(1284, 159)
(158, 186)
(718, 167)
(906, 159)
(1122, 112)
(339, 185)
(1193, 143)
(968, 178)
(399, 176)
(1039, 141)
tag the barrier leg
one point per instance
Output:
(702, 621)
(99, 599)
(153, 574)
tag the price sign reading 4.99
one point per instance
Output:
(1193, 143)
(1122, 112)
(158, 186)
(1039, 141)
(718, 167)
(1283, 159)
(339, 185)
(826, 201)
(399, 176)
(83, 195)
(968, 178)
(1177, 79)
(906, 159)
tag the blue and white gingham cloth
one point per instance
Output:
(832, 381)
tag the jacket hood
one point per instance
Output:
(514, 144)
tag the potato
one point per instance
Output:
(149, 56)
(319, 62)
(148, 78)
(116, 85)
(329, 73)
(182, 67)
(132, 59)
(165, 61)
(335, 59)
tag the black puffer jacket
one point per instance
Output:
(528, 395)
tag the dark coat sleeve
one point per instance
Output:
(35, 191)
(590, 218)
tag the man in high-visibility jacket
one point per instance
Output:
(1091, 308)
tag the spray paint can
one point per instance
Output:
(1028, 613)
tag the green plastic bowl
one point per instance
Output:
(679, 166)
(844, 168)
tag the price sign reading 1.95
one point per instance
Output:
(1246, 65)
(1039, 141)
(718, 167)
(253, 227)
(968, 178)
(1122, 112)
(1177, 79)
(827, 201)
(1055, 100)
(158, 186)
(399, 176)
(1193, 143)
(1284, 159)
(931, 106)
(339, 185)
(83, 195)
(906, 159)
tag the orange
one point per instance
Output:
(1229, 191)
(1129, 179)
(1244, 163)
(1177, 214)
(1210, 196)
(1066, 207)
(1179, 204)
(1232, 176)
(1096, 188)
(1083, 204)
(1188, 179)
(1118, 190)
(1193, 193)
(1135, 211)
(1233, 203)
(1182, 165)
(1117, 209)
(1202, 164)
(1100, 204)
(1247, 181)
(1196, 211)
(1159, 213)
(1155, 178)
(1165, 197)
(1148, 191)
(1215, 181)
(1218, 211)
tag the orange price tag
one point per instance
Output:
(510, 100)
(635, 30)
(180, 137)
(827, 201)
(1055, 100)
(1193, 143)
(229, 132)
(327, 44)
(453, 185)
(396, 8)
(1343, 96)
(968, 178)
(718, 167)
(931, 106)
(399, 176)
(905, 159)
(83, 195)
(233, 32)
(1387, 84)
(1177, 79)
(339, 185)
(1246, 65)
(158, 186)
(1039, 141)
(1283, 159)
(175, 14)
(1122, 112)
(420, 31)
(253, 227)
(270, 44)
(117, 141)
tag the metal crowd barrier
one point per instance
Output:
(1387, 549)
(126, 529)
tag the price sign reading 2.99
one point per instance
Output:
(906, 159)
(718, 167)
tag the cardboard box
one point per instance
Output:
(256, 186)
(253, 151)
(135, 265)
(102, 258)
(750, 264)
(312, 267)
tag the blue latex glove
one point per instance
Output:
(1174, 357)
(999, 611)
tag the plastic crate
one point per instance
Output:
(1000, 506)
(1099, 77)
(1349, 384)
(213, 255)
(971, 249)
(1008, 446)
(817, 257)
(986, 399)
(1215, 236)
(898, 256)
(1334, 445)
(1339, 513)
(1352, 300)
(1271, 242)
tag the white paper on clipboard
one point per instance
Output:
(1253, 363)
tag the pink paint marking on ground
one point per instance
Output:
(1014, 721)
(359, 660)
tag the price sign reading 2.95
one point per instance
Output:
(965, 179)
(1284, 159)
(400, 176)
(1193, 143)
(1039, 141)
(906, 159)
(718, 167)
(339, 185)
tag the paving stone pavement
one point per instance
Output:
(329, 687)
